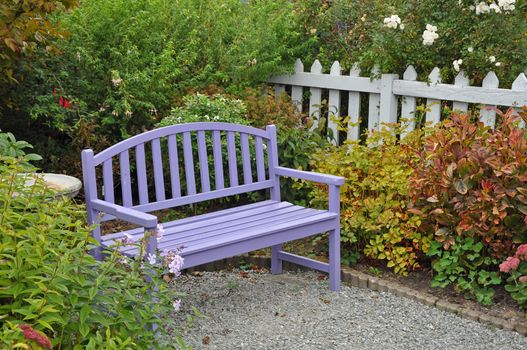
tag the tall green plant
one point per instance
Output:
(51, 288)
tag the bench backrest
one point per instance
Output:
(213, 180)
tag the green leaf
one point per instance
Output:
(84, 313)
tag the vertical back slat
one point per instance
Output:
(141, 173)
(260, 162)
(159, 181)
(272, 157)
(189, 163)
(218, 160)
(203, 162)
(107, 177)
(173, 160)
(246, 159)
(231, 151)
(126, 186)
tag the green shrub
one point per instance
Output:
(354, 31)
(374, 217)
(50, 283)
(203, 108)
(124, 65)
(469, 187)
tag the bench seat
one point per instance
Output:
(209, 237)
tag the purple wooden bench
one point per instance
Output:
(217, 235)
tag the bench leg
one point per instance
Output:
(276, 263)
(334, 260)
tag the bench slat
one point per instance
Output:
(231, 151)
(246, 209)
(173, 160)
(159, 181)
(203, 162)
(246, 159)
(260, 161)
(236, 236)
(107, 177)
(193, 237)
(126, 186)
(189, 163)
(141, 173)
(218, 160)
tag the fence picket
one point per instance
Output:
(487, 112)
(297, 91)
(316, 96)
(520, 84)
(461, 80)
(334, 104)
(433, 115)
(408, 104)
(354, 108)
(374, 104)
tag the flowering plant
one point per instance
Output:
(516, 267)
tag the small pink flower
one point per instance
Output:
(521, 252)
(523, 279)
(510, 264)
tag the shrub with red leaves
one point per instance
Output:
(31, 334)
(472, 182)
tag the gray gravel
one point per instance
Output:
(297, 311)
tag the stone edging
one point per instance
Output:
(361, 280)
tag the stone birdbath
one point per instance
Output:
(65, 185)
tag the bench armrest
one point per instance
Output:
(127, 214)
(310, 176)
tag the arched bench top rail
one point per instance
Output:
(175, 129)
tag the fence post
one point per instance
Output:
(388, 111)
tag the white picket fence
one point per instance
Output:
(388, 93)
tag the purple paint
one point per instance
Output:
(222, 234)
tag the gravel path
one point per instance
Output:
(297, 311)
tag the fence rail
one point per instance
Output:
(391, 99)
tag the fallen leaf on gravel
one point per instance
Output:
(197, 273)
(206, 340)
(322, 277)
(325, 301)
(167, 278)
(244, 274)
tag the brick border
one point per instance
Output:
(361, 280)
